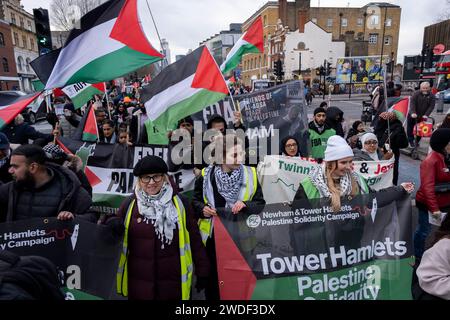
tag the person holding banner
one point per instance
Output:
(370, 150)
(162, 242)
(335, 178)
(226, 183)
(433, 171)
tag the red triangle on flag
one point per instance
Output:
(128, 30)
(100, 86)
(254, 34)
(9, 112)
(208, 75)
(92, 177)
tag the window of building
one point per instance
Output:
(329, 22)
(28, 64)
(24, 41)
(20, 63)
(344, 22)
(388, 40)
(265, 39)
(374, 20)
(265, 20)
(360, 36)
(373, 38)
(5, 65)
(265, 60)
(314, 20)
(32, 44)
(16, 39)
(13, 18)
(360, 22)
(2, 40)
(29, 25)
(22, 23)
(388, 22)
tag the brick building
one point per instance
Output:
(8, 73)
(361, 29)
(23, 38)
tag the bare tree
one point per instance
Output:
(65, 14)
(445, 15)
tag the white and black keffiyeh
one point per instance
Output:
(160, 211)
(228, 185)
(319, 180)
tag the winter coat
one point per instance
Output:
(362, 155)
(398, 139)
(155, 273)
(422, 104)
(22, 133)
(432, 173)
(434, 269)
(62, 193)
(5, 176)
(334, 120)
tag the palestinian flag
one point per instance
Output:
(12, 104)
(401, 109)
(181, 89)
(89, 125)
(252, 41)
(82, 92)
(113, 41)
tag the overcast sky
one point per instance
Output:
(185, 23)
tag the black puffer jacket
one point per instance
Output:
(62, 193)
(334, 120)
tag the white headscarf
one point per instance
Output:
(367, 137)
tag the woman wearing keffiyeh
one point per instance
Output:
(162, 242)
(225, 183)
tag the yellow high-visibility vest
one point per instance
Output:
(247, 193)
(185, 252)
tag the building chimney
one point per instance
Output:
(282, 11)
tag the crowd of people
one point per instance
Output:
(168, 237)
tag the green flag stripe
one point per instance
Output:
(236, 59)
(84, 96)
(119, 62)
(89, 137)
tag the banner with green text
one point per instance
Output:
(305, 251)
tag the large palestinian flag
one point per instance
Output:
(183, 88)
(113, 41)
(82, 92)
(12, 104)
(252, 41)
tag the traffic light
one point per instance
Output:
(328, 68)
(278, 69)
(43, 33)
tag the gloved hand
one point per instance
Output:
(201, 283)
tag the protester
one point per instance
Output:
(138, 130)
(370, 150)
(182, 160)
(49, 190)
(70, 120)
(290, 147)
(55, 154)
(5, 154)
(378, 104)
(124, 137)
(390, 92)
(335, 178)
(355, 132)
(434, 269)
(390, 133)
(226, 183)
(422, 104)
(109, 132)
(319, 132)
(162, 243)
(120, 115)
(100, 116)
(324, 105)
(291, 124)
(334, 119)
(433, 171)
(20, 132)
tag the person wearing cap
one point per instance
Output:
(41, 189)
(434, 170)
(319, 133)
(55, 154)
(225, 183)
(162, 243)
(335, 177)
(5, 153)
(370, 150)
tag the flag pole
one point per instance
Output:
(107, 101)
(385, 100)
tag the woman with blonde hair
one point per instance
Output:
(335, 178)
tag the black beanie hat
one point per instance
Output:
(439, 140)
(319, 110)
(188, 119)
(149, 165)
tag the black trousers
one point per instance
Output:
(212, 292)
